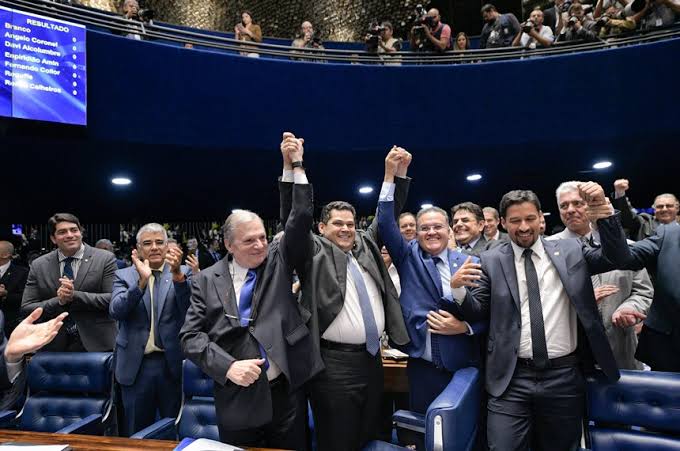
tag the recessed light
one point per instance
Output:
(366, 189)
(473, 177)
(121, 181)
(602, 165)
(426, 206)
(546, 213)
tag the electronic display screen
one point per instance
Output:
(44, 74)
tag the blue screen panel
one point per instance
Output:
(44, 74)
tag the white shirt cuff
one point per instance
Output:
(470, 331)
(300, 178)
(458, 294)
(387, 192)
(14, 369)
(287, 176)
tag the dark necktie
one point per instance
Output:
(371, 329)
(538, 344)
(245, 304)
(69, 325)
(434, 338)
(154, 307)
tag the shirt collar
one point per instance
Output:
(5, 267)
(471, 244)
(444, 255)
(537, 248)
(161, 269)
(78, 255)
(238, 271)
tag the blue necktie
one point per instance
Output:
(538, 343)
(245, 304)
(434, 338)
(372, 337)
(69, 325)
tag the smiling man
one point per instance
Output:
(468, 227)
(535, 293)
(350, 298)
(74, 278)
(150, 300)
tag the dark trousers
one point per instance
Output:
(154, 391)
(345, 399)
(658, 350)
(541, 410)
(284, 431)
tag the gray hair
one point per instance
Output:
(433, 210)
(7, 246)
(236, 218)
(566, 187)
(107, 244)
(675, 199)
(491, 210)
(152, 227)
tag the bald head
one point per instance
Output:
(6, 251)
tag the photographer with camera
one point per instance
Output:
(132, 12)
(534, 33)
(499, 29)
(430, 34)
(307, 37)
(578, 27)
(660, 13)
(613, 22)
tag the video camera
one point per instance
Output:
(373, 36)
(145, 15)
(527, 26)
(422, 19)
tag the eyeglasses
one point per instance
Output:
(573, 203)
(666, 206)
(427, 228)
(150, 243)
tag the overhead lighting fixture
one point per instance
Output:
(602, 165)
(473, 177)
(426, 206)
(546, 213)
(366, 189)
(121, 181)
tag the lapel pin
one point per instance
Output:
(85, 260)
(455, 265)
(557, 253)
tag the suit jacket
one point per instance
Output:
(550, 18)
(205, 259)
(639, 226)
(132, 309)
(635, 291)
(323, 272)
(14, 281)
(213, 338)
(497, 298)
(421, 291)
(661, 252)
(480, 246)
(90, 306)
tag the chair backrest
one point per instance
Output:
(65, 387)
(197, 417)
(639, 411)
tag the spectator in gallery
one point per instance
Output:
(534, 33)
(578, 26)
(499, 29)
(307, 37)
(432, 35)
(461, 43)
(248, 31)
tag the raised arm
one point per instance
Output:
(388, 228)
(629, 219)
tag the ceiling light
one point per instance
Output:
(121, 181)
(602, 165)
(366, 190)
(473, 177)
(426, 206)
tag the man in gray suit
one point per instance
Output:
(467, 221)
(623, 297)
(349, 298)
(74, 278)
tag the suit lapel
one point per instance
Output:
(557, 259)
(54, 269)
(83, 268)
(224, 287)
(508, 265)
(163, 288)
(340, 260)
(433, 273)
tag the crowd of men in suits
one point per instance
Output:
(533, 313)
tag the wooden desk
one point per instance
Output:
(395, 378)
(90, 442)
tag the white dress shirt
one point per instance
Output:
(4, 268)
(559, 316)
(238, 276)
(394, 275)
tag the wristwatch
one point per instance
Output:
(297, 164)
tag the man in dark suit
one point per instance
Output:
(491, 222)
(210, 256)
(26, 338)
(74, 278)
(244, 328)
(543, 323)
(12, 282)
(150, 300)
(552, 17)
(349, 298)
(440, 343)
(659, 341)
(467, 222)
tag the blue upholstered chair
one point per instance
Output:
(641, 411)
(450, 422)
(197, 417)
(68, 392)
